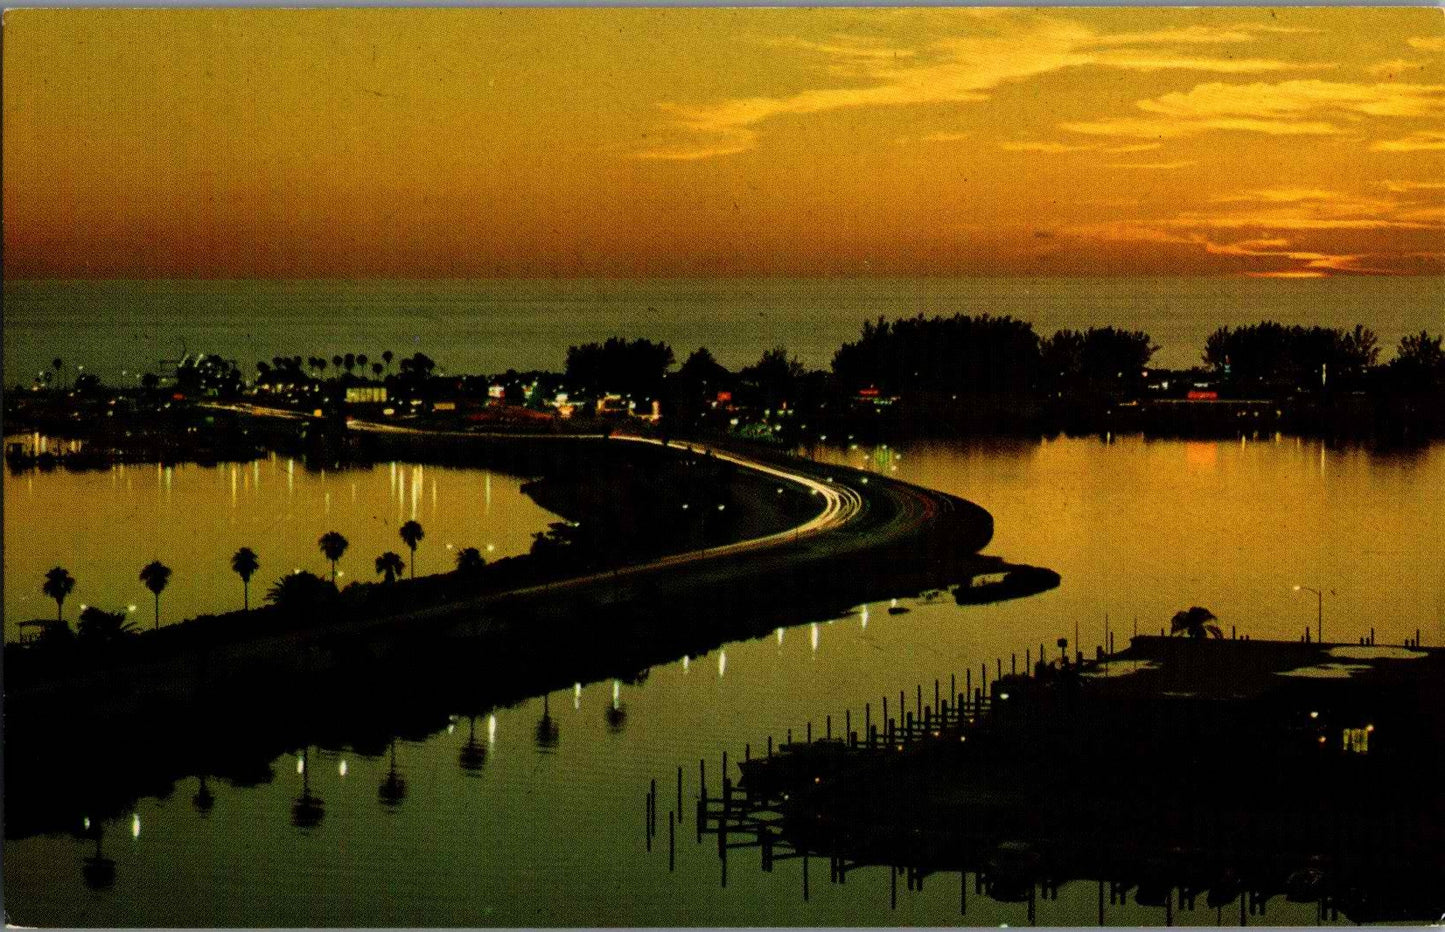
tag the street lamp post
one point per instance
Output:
(1319, 611)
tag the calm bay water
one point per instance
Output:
(493, 325)
(554, 834)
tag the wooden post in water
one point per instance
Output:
(968, 681)
(722, 823)
(847, 721)
(935, 693)
(770, 745)
(805, 876)
(952, 684)
(810, 732)
(828, 724)
(725, 765)
(918, 709)
(701, 779)
(867, 717)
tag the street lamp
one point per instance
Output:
(1319, 610)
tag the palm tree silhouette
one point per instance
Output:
(387, 356)
(308, 810)
(411, 533)
(547, 731)
(58, 584)
(333, 545)
(390, 564)
(57, 364)
(98, 626)
(469, 561)
(98, 871)
(156, 575)
(245, 564)
(393, 789)
(297, 592)
(1195, 622)
(473, 756)
(204, 799)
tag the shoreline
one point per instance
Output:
(418, 666)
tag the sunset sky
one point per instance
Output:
(624, 142)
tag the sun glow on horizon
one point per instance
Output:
(1286, 143)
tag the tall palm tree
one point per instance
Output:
(156, 575)
(387, 356)
(57, 364)
(1195, 622)
(58, 584)
(245, 564)
(376, 369)
(333, 545)
(411, 534)
(390, 564)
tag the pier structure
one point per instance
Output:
(1108, 771)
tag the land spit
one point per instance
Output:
(226, 695)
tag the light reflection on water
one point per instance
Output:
(193, 518)
(535, 832)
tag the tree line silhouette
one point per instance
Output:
(298, 590)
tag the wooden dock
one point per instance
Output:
(918, 785)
